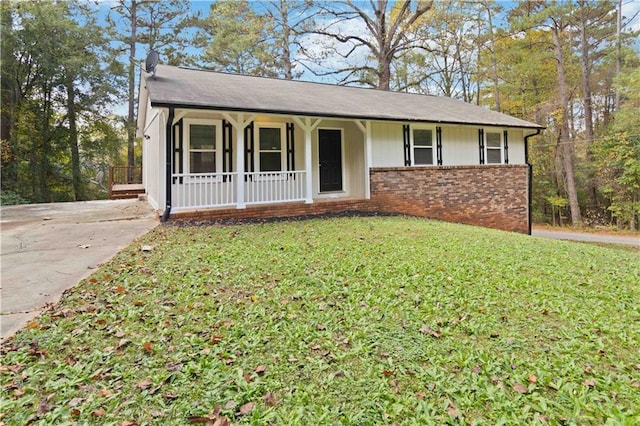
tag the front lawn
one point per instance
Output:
(337, 321)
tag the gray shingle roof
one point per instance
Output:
(212, 90)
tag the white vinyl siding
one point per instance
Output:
(387, 149)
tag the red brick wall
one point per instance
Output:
(494, 196)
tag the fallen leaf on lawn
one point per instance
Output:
(426, 330)
(519, 387)
(44, 406)
(247, 377)
(147, 347)
(247, 408)
(144, 384)
(18, 393)
(199, 419)
(215, 339)
(170, 396)
(269, 399)
(105, 393)
(394, 385)
(421, 395)
(99, 412)
(122, 343)
(533, 378)
(388, 372)
(128, 423)
(589, 383)
(75, 402)
(33, 324)
(146, 248)
(452, 412)
(260, 370)
(588, 369)
(221, 421)
(230, 405)
(635, 384)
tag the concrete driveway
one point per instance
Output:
(48, 248)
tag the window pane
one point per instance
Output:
(423, 155)
(269, 139)
(202, 162)
(493, 156)
(202, 136)
(422, 137)
(270, 162)
(493, 140)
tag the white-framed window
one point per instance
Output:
(493, 147)
(423, 145)
(202, 146)
(271, 147)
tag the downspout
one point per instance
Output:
(168, 161)
(530, 180)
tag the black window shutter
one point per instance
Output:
(439, 145)
(227, 149)
(291, 146)
(178, 150)
(506, 146)
(407, 144)
(249, 161)
(481, 144)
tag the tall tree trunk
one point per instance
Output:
(618, 50)
(566, 144)
(585, 66)
(44, 149)
(131, 94)
(494, 64)
(286, 32)
(76, 178)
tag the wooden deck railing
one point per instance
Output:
(125, 175)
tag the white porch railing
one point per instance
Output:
(207, 190)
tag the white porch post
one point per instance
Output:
(366, 130)
(239, 123)
(308, 127)
(240, 163)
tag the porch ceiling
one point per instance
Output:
(176, 86)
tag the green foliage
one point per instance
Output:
(339, 321)
(10, 198)
(54, 80)
(235, 39)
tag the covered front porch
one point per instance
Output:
(223, 160)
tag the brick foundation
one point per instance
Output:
(489, 196)
(494, 196)
(281, 210)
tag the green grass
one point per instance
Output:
(337, 321)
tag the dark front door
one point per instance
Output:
(330, 158)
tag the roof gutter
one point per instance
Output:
(530, 178)
(168, 159)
